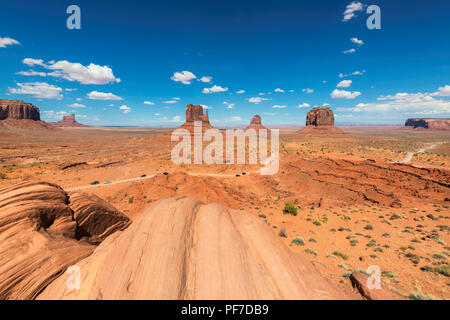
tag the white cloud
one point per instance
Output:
(355, 73)
(95, 95)
(240, 91)
(175, 119)
(91, 74)
(257, 100)
(349, 51)
(357, 41)
(303, 105)
(157, 114)
(149, 103)
(229, 105)
(7, 42)
(184, 77)
(351, 9)
(205, 79)
(325, 104)
(235, 118)
(308, 90)
(38, 90)
(443, 91)
(343, 94)
(170, 101)
(51, 115)
(79, 99)
(278, 106)
(214, 89)
(77, 105)
(125, 109)
(279, 90)
(344, 84)
(31, 73)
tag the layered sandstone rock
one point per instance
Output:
(68, 121)
(181, 248)
(428, 123)
(38, 236)
(17, 109)
(256, 124)
(320, 121)
(195, 113)
(368, 289)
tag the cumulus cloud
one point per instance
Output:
(51, 115)
(170, 101)
(349, 51)
(31, 73)
(350, 10)
(125, 109)
(257, 100)
(443, 91)
(95, 95)
(308, 90)
(240, 91)
(357, 41)
(229, 105)
(38, 89)
(214, 89)
(325, 104)
(149, 103)
(343, 94)
(175, 119)
(205, 79)
(91, 74)
(279, 106)
(184, 77)
(279, 90)
(303, 105)
(77, 105)
(8, 42)
(355, 73)
(344, 84)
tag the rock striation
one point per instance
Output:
(181, 248)
(68, 121)
(39, 235)
(320, 121)
(194, 112)
(17, 109)
(428, 123)
(256, 124)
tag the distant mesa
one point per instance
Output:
(256, 124)
(17, 109)
(194, 112)
(68, 121)
(320, 121)
(428, 123)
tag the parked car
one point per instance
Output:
(143, 176)
(94, 182)
(107, 182)
(165, 173)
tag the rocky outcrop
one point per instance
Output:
(428, 123)
(17, 109)
(181, 248)
(194, 113)
(38, 236)
(361, 281)
(68, 121)
(256, 124)
(320, 121)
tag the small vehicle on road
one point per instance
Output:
(143, 176)
(107, 182)
(94, 183)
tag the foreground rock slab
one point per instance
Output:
(359, 281)
(181, 248)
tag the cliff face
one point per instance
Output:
(428, 123)
(17, 109)
(320, 116)
(194, 112)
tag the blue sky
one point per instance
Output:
(287, 57)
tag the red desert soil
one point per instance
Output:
(357, 206)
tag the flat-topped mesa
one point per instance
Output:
(194, 112)
(428, 123)
(320, 121)
(18, 109)
(256, 124)
(68, 121)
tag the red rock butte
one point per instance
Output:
(256, 124)
(194, 112)
(68, 121)
(17, 109)
(320, 121)
(428, 123)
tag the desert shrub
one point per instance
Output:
(289, 208)
(311, 251)
(282, 233)
(340, 254)
(2, 176)
(298, 241)
(368, 227)
(130, 200)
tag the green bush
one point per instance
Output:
(289, 208)
(298, 241)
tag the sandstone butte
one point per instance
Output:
(320, 121)
(194, 112)
(43, 231)
(256, 124)
(428, 123)
(17, 109)
(68, 121)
